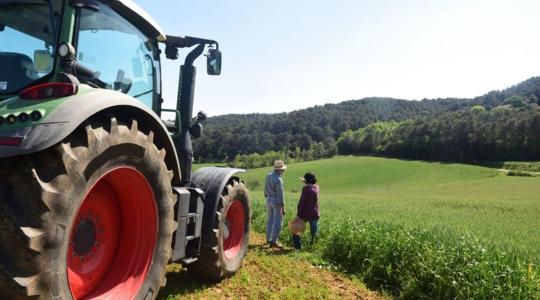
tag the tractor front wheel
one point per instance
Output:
(90, 218)
(225, 255)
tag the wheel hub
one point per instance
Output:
(85, 237)
(113, 237)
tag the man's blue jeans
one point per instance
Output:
(313, 227)
(274, 218)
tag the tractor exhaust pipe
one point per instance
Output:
(185, 107)
(186, 89)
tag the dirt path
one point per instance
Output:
(269, 274)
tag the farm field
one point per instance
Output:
(420, 230)
(501, 211)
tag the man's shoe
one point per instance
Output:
(276, 245)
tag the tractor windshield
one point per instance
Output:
(28, 34)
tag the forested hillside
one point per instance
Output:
(505, 133)
(497, 111)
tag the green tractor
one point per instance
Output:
(96, 190)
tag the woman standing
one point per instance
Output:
(308, 207)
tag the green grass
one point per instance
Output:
(501, 210)
(431, 230)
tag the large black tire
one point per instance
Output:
(40, 197)
(214, 264)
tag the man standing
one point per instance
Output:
(275, 203)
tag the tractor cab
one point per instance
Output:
(52, 49)
(115, 45)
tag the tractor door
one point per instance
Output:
(125, 58)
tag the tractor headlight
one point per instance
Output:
(66, 50)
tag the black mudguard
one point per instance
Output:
(63, 120)
(212, 180)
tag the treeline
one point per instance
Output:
(419, 129)
(314, 152)
(229, 135)
(507, 132)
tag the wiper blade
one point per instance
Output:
(142, 94)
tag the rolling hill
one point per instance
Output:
(229, 135)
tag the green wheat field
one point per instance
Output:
(420, 230)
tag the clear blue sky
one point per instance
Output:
(286, 55)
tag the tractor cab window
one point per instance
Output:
(28, 34)
(118, 52)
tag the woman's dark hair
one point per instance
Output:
(310, 178)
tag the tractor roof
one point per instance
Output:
(127, 8)
(139, 17)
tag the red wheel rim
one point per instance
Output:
(234, 230)
(113, 237)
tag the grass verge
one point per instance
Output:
(420, 264)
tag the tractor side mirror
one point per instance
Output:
(213, 62)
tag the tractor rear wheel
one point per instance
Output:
(231, 236)
(89, 218)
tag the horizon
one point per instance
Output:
(373, 97)
(282, 57)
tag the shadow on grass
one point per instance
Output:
(271, 250)
(180, 283)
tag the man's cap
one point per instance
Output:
(279, 165)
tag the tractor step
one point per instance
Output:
(188, 214)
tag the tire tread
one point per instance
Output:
(33, 210)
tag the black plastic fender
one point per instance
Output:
(62, 121)
(212, 180)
